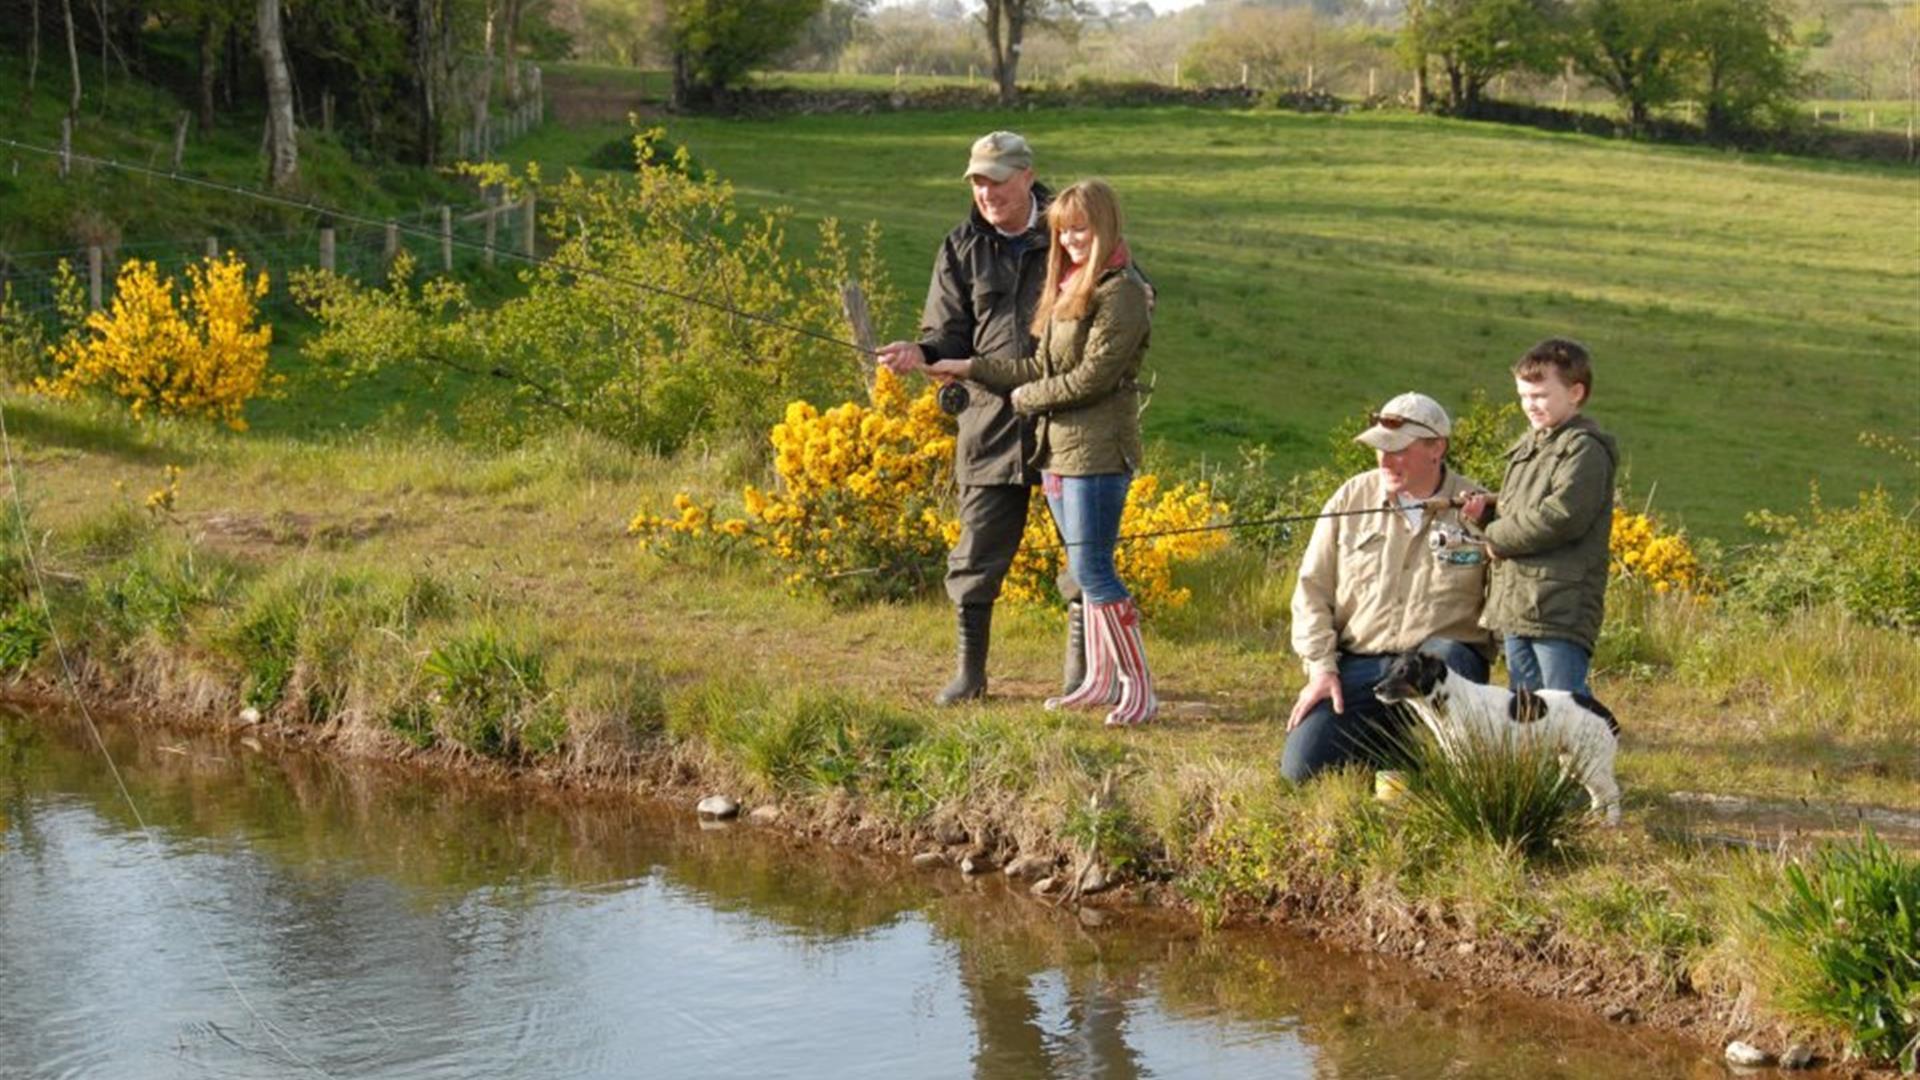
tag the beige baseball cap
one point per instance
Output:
(998, 156)
(1405, 420)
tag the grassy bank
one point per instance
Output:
(407, 595)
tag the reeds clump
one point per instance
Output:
(1513, 793)
(1846, 933)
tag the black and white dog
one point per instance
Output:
(1581, 729)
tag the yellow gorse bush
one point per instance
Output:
(863, 502)
(196, 354)
(1664, 560)
(1169, 523)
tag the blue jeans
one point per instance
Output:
(1544, 663)
(1367, 731)
(1087, 509)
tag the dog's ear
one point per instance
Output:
(1429, 671)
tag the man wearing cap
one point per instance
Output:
(986, 284)
(1373, 585)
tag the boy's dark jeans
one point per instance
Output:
(1367, 730)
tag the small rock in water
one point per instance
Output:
(975, 864)
(1045, 885)
(1746, 1054)
(718, 806)
(1028, 866)
(250, 743)
(1797, 1056)
(764, 815)
(249, 715)
(928, 860)
(1091, 916)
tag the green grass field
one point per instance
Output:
(1750, 317)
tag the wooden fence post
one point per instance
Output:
(326, 248)
(391, 248)
(853, 301)
(446, 238)
(1371, 72)
(95, 269)
(492, 227)
(213, 248)
(66, 146)
(529, 228)
(180, 138)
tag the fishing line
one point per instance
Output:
(146, 830)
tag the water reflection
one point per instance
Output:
(294, 916)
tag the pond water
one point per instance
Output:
(287, 914)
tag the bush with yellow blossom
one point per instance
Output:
(1665, 561)
(194, 354)
(863, 507)
(1172, 526)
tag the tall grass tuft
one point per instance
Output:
(1847, 934)
(490, 694)
(1512, 793)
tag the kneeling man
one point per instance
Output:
(1373, 585)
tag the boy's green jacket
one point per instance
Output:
(1551, 528)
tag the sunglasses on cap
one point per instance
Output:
(1394, 423)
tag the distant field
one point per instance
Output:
(1751, 317)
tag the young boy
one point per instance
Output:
(1549, 527)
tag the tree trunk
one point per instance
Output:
(1420, 85)
(424, 37)
(209, 69)
(1016, 30)
(483, 90)
(73, 59)
(510, 48)
(33, 52)
(283, 156)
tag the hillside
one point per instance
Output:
(1750, 317)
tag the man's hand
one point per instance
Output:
(1321, 686)
(1476, 508)
(901, 357)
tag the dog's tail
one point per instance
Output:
(1589, 702)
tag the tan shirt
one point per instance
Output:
(1369, 583)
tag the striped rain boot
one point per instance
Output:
(1101, 686)
(1120, 625)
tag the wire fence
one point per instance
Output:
(450, 240)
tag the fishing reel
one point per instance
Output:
(953, 398)
(1454, 545)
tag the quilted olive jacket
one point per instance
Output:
(1080, 386)
(1551, 528)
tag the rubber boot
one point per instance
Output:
(1101, 685)
(1073, 671)
(1121, 623)
(974, 623)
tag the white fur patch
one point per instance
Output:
(1459, 709)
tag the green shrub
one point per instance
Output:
(264, 637)
(154, 591)
(24, 634)
(1847, 929)
(1864, 557)
(1512, 793)
(489, 694)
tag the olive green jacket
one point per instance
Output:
(1550, 529)
(1081, 385)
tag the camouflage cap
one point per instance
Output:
(998, 156)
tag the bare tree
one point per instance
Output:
(283, 156)
(73, 59)
(1006, 22)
